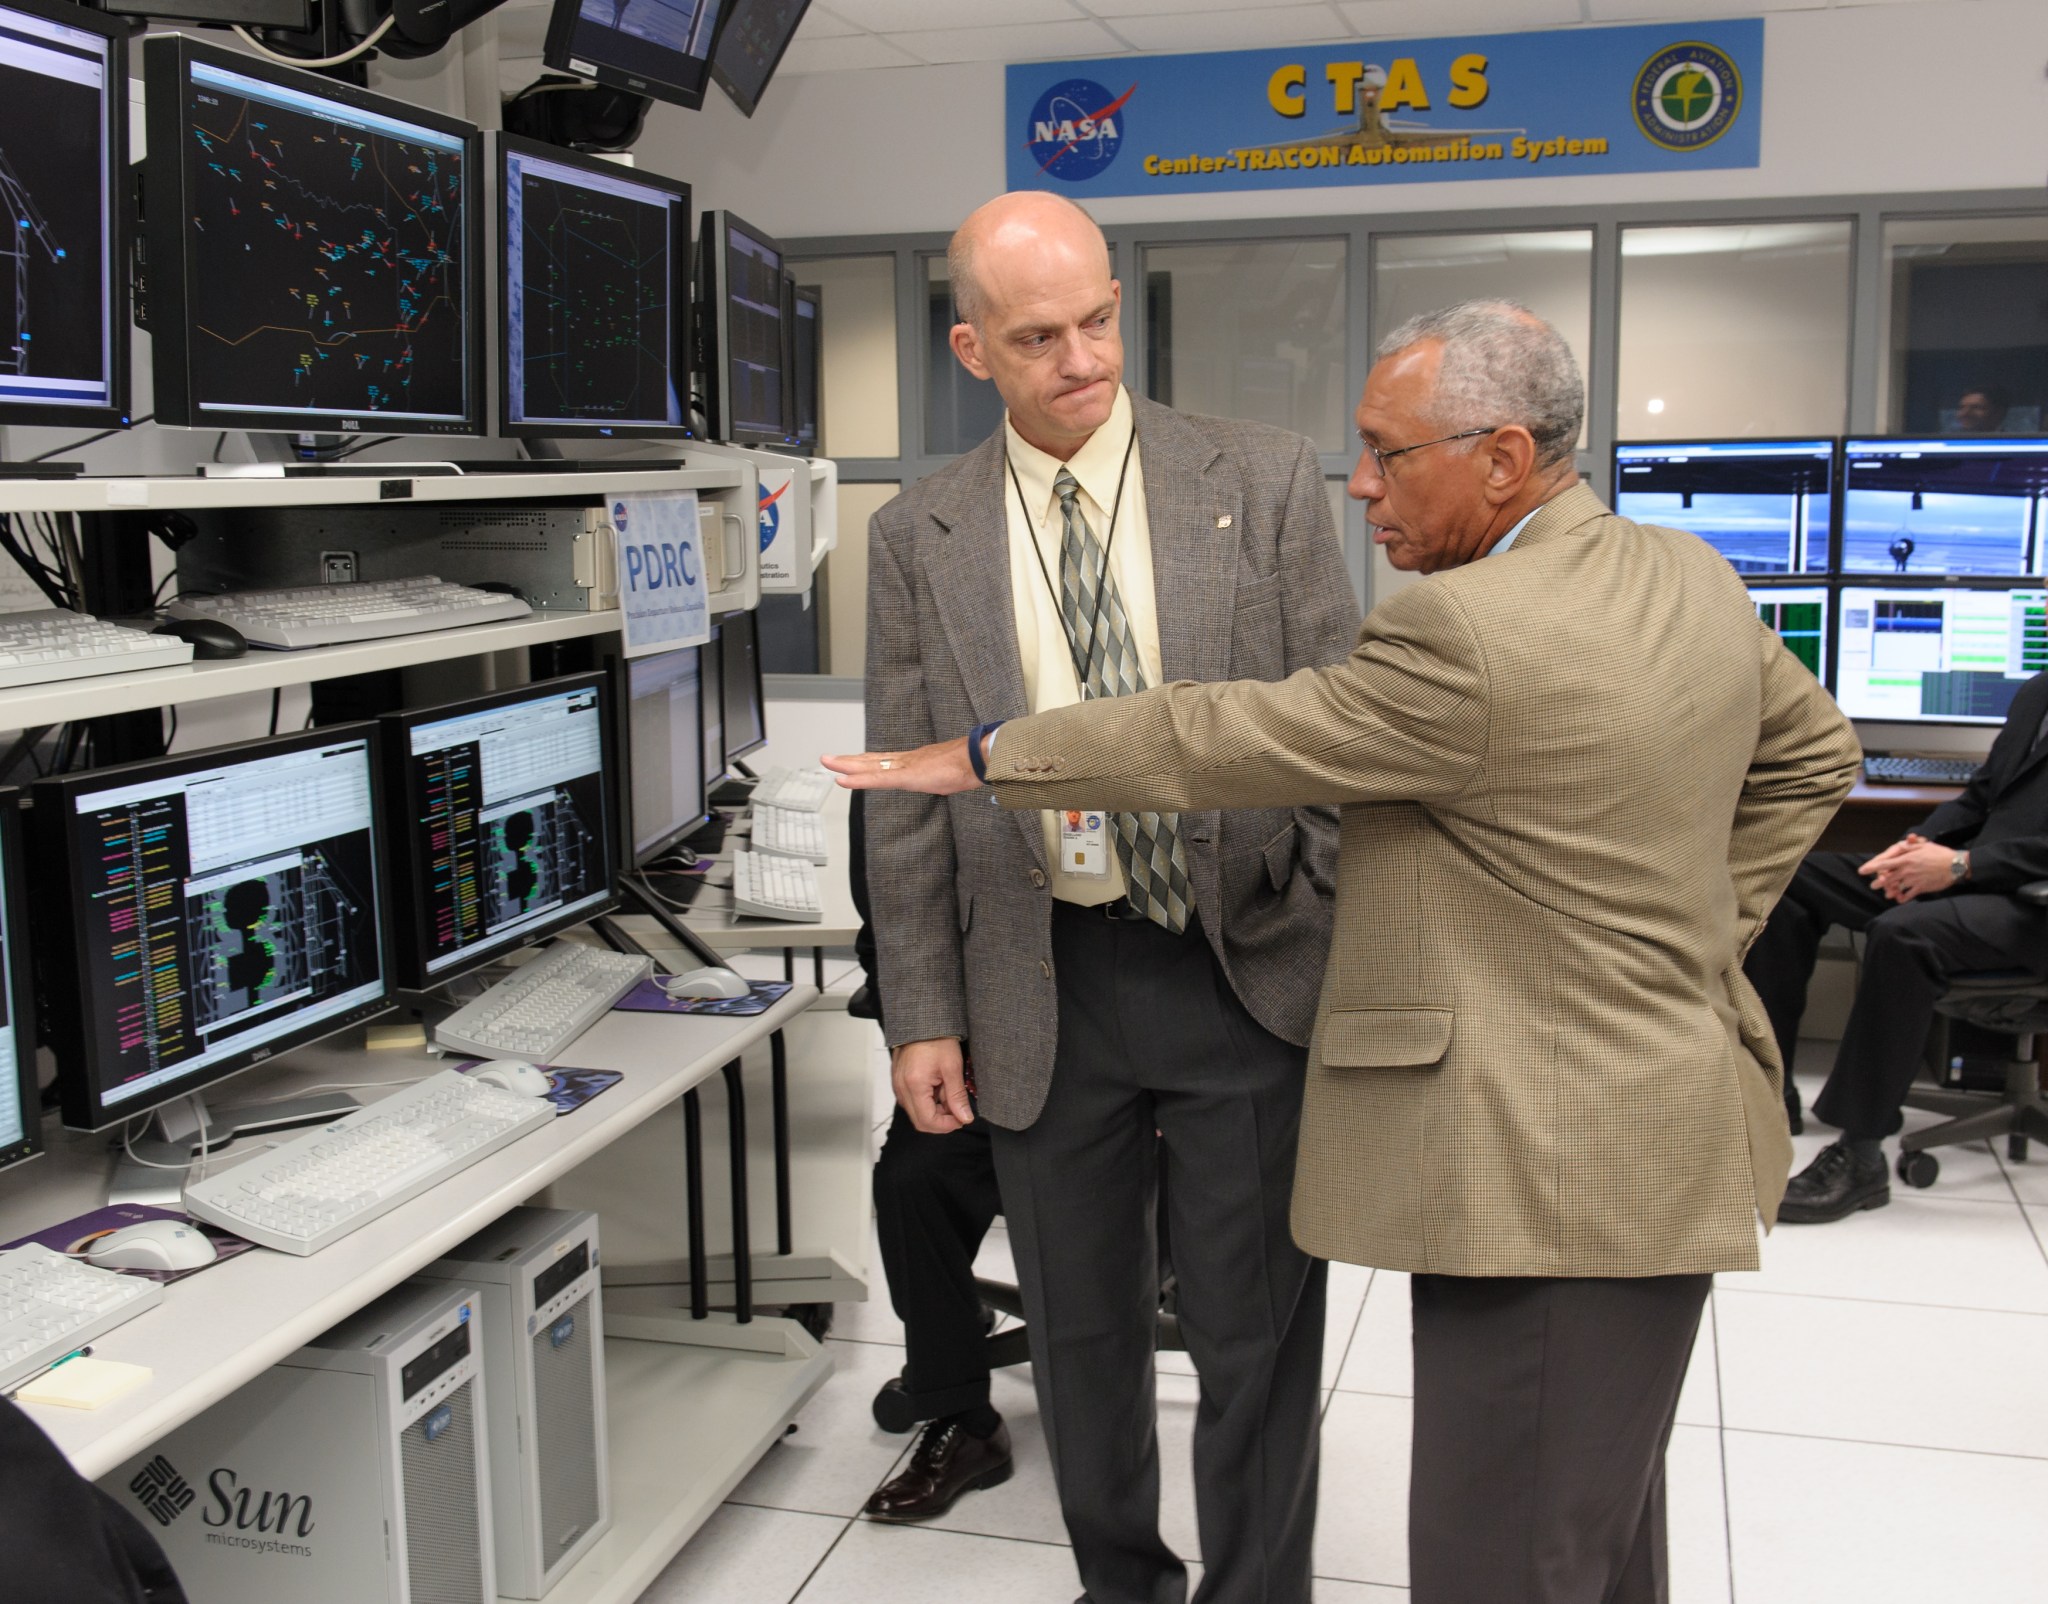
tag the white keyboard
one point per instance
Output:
(544, 1005)
(367, 609)
(317, 1188)
(799, 790)
(47, 643)
(51, 1305)
(765, 886)
(788, 833)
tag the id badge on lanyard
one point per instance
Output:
(1084, 843)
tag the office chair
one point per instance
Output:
(2013, 1002)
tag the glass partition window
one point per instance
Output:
(961, 411)
(1736, 329)
(1966, 320)
(857, 374)
(1249, 329)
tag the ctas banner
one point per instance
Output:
(1595, 100)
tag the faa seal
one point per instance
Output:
(1687, 95)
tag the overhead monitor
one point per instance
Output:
(21, 1114)
(207, 912)
(1945, 508)
(739, 294)
(658, 48)
(314, 251)
(1939, 655)
(505, 808)
(739, 642)
(1799, 615)
(664, 751)
(804, 380)
(711, 708)
(1763, 504)
(594, 292)
(751, 45)
(63, 181)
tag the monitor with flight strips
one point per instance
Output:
(746, 722)
(63, 179)
(207, 911)
(751, 46)
(594, 296)
(1938, 655)
(314, 251)
(505, 807)
(1799, 615)
(21, 1114)
(664, 751)
(711, 708)
(1765, 505)
(739, 295)
(658, 48)
(804, 379)
(1952, 508)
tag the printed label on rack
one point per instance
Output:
(662, 590)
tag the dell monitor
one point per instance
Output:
(594, 296)
(657, 48)
(1762, 504)
(314, 252)
(1942, 509)
(63, 180)
(207, 912)
(1951, 654)
(504, 812)
(739, 650)
(739, 296)
(21, 1113)
(805, 384)
(664, 751)
(750, 47)
(1799, 616)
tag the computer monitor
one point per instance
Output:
(751, 45)
(664, 751)
(314, 251)
(504, 810)
(1799, 614)
(1938, 655)
(21, 1114)
(711, 708)
(1763, 504)
(739, 642)
(739, 297)
(804, 382)
(1936, 509)
(207, 912)
(63, 179)
(658, 48)
(594, 296)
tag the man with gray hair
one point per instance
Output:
(1575, 772)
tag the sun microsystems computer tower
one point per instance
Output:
(544, 1376)
(352, 1472)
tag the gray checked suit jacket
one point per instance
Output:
(1251, 584)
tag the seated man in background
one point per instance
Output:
(1934, 905)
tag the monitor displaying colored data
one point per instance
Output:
(1765, 505)
(1950, 655)
(1945, 508)
(1799, 615)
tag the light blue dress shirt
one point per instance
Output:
(1510, 537)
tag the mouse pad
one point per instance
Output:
(568, 1089)
(649, 998)
(75, 1236)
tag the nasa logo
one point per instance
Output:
(1076, 129)
(1687, 96)
(771, 515)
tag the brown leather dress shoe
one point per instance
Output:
(949, 1460)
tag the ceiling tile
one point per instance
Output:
(1039, 41)
(1673, 10)
(1158, 8)
(1426, 19)
(842, 55)
(819, 23)
(1237, 30)
(904, 16)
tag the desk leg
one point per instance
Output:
(693, 1188)
(789, 964)
(742, 1242)
(779, 1089)
(818, 967)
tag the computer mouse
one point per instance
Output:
(706, 983)
(152, 1245)
(525, 1079)
(210, 638)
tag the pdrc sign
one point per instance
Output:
(662, 590)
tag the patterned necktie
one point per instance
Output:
(1147, 844)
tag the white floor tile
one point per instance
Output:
(838, 1455)
(1362, 1522)
(1699, 1400)
(1025, 1507)
(1333, 1592)
(2029, 1180)
(746, 1556)
(1696, 1516)
(1816, 1520)
(1955, 1254)
(917, 1565)
(1382, 1357)
(1969, 1171)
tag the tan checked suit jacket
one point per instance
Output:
(1574, 778)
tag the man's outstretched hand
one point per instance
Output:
(939, 770)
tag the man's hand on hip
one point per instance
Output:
(930, 1080)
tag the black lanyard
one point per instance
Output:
(1108, 546)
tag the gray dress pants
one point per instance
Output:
(1152, 1039)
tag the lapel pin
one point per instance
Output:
(1223, 522)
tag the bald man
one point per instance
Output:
(1137, 989)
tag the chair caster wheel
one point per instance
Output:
(894, 1412)
(2016, 1148)
(1919, 1169)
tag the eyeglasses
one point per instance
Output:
(1382, 458)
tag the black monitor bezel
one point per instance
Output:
(21, 992)
(1826, 584)
(713, 312)
(749, 104)
(1840, 583)
(712, 776)
(725, 628)
(2034, 444)
(166, 61)
(809, 446)
(681, 359)
(1835, 468)
(80, 1099)
(621, 668)
(408, 874)
(558, 53)
(115, 411)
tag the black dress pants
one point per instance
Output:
(1911, 949)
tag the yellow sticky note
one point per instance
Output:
(85, 1383)
(379, 1036)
